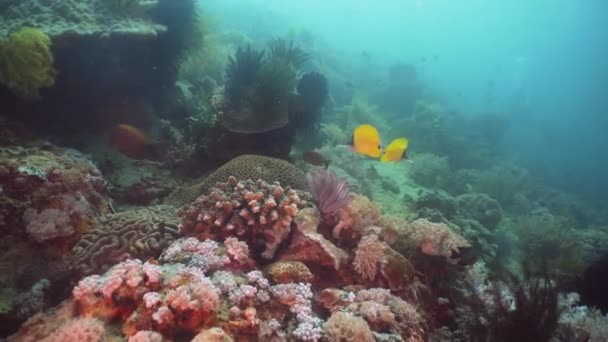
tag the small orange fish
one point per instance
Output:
(132, 142)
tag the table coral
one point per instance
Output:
(247, 209)
(139, 233)
(78, 18)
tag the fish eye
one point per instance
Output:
(379, 147)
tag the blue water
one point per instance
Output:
(542, 64)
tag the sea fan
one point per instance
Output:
(330, 193)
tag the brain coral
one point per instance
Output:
(244, 167)
(140, 233)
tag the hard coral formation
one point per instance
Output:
(381, 310)
(436, 239)
(77, 18)
(138, 233)
(243, 167)
(375, 260)
(309, 246)
(26, 62)
(49, 193)
(281, 272)
(163, 297)
(345, 326)
(78, 329)
(359, 214)
(247, 209)
(480, 207)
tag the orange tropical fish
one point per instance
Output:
(132, 142)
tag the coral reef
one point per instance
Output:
(26, 62)
(343, 326)
(382, 311)
(330, 193)
(243, 167)
(138, 233)
(248, 209)
(73, 18)
(429, 170)
(258, 87)
(354, 219)
(309, 246)
(437, 200)
(49, 194)
(580, 322)
(480, 207)
(281, 272)
(425, 237)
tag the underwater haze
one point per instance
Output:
(303, 170)
(541, 64)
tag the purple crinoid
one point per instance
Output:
(330, 193)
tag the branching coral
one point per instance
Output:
(26, 62)
(246, 209)
(161, 297)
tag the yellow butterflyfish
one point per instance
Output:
(366, 141)
(395, 150)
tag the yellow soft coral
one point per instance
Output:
(26, 62)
